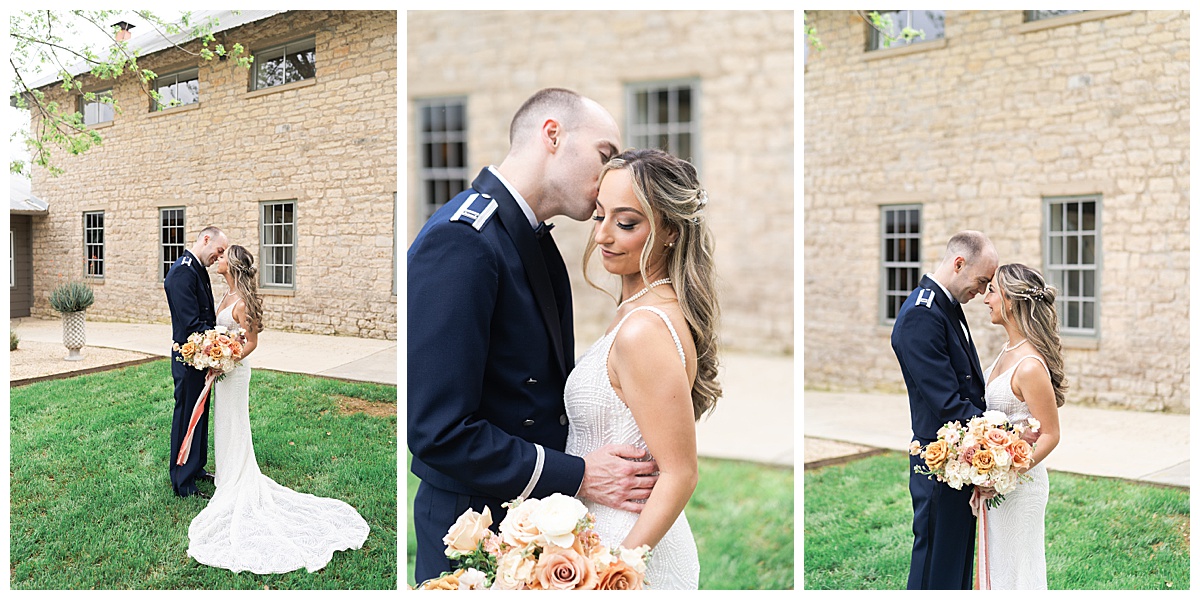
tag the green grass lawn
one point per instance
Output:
(91, 501)
(1100, 533)
(743, 518)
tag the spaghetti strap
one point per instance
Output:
(666, 319)
(1035, 357)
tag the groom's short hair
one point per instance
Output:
(211, 230)
(559, 103)
(967, 244)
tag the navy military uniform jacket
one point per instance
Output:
(490, 344)
(190, 298)
(945, 383)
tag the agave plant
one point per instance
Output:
(72, 296)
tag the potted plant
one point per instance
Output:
(72, 299)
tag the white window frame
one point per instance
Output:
(264, 56)
(900, 20)
(167, 258)
(88, 245)
(271, 241)
(888, 294)
(100, 112)
(446, 180)
(650, 133)
(1071, 278)
(173, 81)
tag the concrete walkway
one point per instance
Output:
(1141, 446)
(357, 359)
(754, 421)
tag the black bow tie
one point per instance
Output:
(542, 229)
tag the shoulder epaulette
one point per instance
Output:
(475, 211)
(925, 296)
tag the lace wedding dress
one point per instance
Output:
(1016, 528)
(252, 523)
(599, 417)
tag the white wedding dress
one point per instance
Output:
(1017, 528)
(599, 417)
(252, 523)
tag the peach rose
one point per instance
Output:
(935, 455)
(513, 571)
(188, 350)
(215, 352)
(997, 438)
(983, 461)
(620, 576)
(517, 528)
(914, 448)
(235, 347)
(563, 569)
(1022, 454)
(464, 536)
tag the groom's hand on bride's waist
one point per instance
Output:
(615, 476)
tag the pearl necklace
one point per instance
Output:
(644, 291)
(1007, 349)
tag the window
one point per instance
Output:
(1072, 250)
(177, 89)
(1038, 15)
(284, 64)
(278, 250)
(901, 256)
(171, 236)
(931, 22)
(443, 148)
(663, 115)
(93, 243)
(97, 110)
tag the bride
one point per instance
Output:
(652, 375)
(1019, 300)
(252, 523)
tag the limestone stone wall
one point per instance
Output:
(329, 143)
(978, 129)
(743, 62)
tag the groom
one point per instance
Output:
(945, 383)
(490, 335)
(190, 298)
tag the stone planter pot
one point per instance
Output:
(74, 336)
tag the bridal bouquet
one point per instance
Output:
(218, 348)
(988, 451)
(547, 544)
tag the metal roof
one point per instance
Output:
(151, 42)
(21, 200)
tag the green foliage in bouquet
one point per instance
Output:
(72, 296)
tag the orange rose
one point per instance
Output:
(997, 438)
(236, 348)
(935, 455)
(620, 576)
(215, 352)
(563, 569)
(983, 461)
(188, 350)
(1022, 454)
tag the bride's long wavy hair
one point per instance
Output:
(245, 281)
(670, 194)
(1033, 312)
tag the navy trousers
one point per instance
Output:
(434, 511)
(189, 382)
(943, 534)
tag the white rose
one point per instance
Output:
(221, 329)
(1006, 482)
(517, 529)
(995, 417)
(513, 571)
(1034, 424)
(1003, 458)
(956, 474)
(978, 478)
(635, 557)
(557, 517)
(472, 580)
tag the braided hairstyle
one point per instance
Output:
(670, 194)
(245, 281)
(1033, 311)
